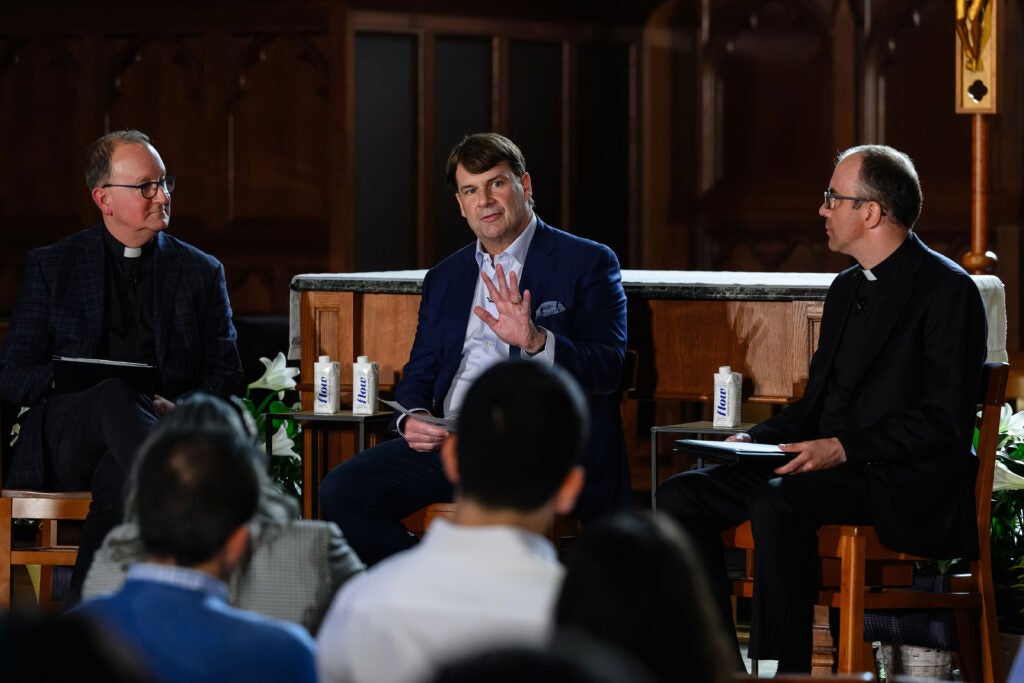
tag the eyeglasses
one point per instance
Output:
(831, 199)
(148, 190)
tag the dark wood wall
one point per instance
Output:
(311, 135)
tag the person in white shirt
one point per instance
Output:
(488, 576)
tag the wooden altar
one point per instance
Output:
(682, 324)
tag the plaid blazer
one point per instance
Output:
(59, 311)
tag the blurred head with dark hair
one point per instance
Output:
(195, 492)
(632, 580)
(49, 647)
(570, 658)
(521, 434)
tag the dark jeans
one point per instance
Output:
(368, 496)
(91, 439)
(785, 514)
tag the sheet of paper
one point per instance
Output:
(738, 447)
(448, 423)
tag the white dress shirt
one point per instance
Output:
(482, 348)
(461, 589)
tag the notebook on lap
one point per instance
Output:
(732, 451)
(77, 374)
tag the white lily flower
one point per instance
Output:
(1014, 424)
(281, 444)
(278, 376)
(1004, 480)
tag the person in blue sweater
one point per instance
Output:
(196, 491)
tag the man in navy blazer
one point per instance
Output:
(522, 290)
(881, 436)
(120, 290)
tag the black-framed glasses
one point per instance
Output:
(148, 190)
(831, 198)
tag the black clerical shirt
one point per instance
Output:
(128, 331)
(861, 321)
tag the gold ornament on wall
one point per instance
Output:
(976, 56)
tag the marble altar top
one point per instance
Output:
(653, 284)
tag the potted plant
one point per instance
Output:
(1008, 523)
(270, 389)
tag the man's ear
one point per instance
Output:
(462, 210)
(102, 199)
(569, 491)
(874, 215)
(235, 549)
(527, 185)
(450, 458)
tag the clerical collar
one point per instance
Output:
(115, 248)
(893, 264)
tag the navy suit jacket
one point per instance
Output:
(576, 292)
(59, 311)
(911, 415)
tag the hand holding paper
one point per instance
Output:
(448, 423)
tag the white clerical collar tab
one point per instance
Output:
(868, 274)
(132, 252)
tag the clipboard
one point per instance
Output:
(78, 374)
(732, 452)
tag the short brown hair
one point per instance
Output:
(97, 157)
(482, 151)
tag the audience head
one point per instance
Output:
(633, 580)
(571, 658)
(888, 177)
(201, 412)
(48, 647)
(100, 152)
(522, 430)
(194, 491)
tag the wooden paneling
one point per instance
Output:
(311, 135)
(680, 343)
(386, 141)
(344, 325)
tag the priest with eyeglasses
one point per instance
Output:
(121, 294)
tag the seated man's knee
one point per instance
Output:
(772, 502)
(117, 393)
(679, 497)
(339, 481)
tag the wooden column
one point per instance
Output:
(977, 30)
(978, 261)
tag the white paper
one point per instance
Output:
(448, 423)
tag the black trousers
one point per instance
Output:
(785, 514)
(91, 439)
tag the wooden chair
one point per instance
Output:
(860, 573)
(49, 508)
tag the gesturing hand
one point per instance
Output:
(514, 326)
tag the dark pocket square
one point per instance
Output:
(550, 308)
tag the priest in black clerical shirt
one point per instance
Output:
(882, 434)
(121, 290)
